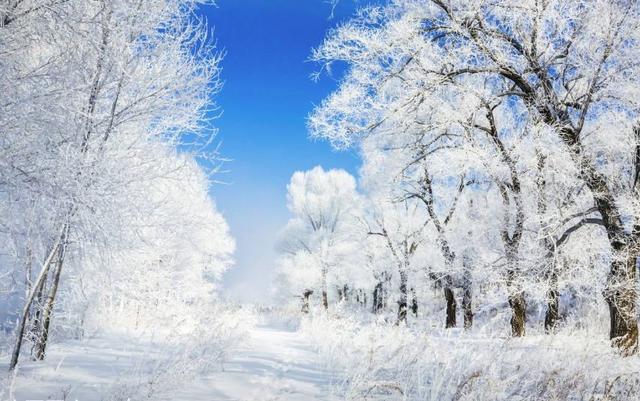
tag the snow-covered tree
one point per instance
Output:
(319, 237)
(96, 97)
(553, 75)
(167, 267)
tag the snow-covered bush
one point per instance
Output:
(386, 362)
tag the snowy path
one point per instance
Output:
(276, 364)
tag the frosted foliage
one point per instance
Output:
(319, 244)
(173, 275)
(514, 125)
(107, 222)
(500, 146)
(321, 197)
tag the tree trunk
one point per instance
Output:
(15, 355)
(553, 303)
(41, 345)
(414, 303)
(325, 298)
(518, 313)
(620, 293)
(512, 227)
(552, 313)
(467, 295)
(378, 297)
(621, 296)
(305, 300)
(467, 308)
(445, 249)
(402, 302)
(36, 325)
(450, 320)
(361, 297)
(28, 266)
(516, 295)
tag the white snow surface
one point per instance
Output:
(275, 362)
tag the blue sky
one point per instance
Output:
(266, 98)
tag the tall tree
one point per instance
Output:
(324, 206)
(566, 68)
(81, 98)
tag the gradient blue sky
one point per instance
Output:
(266, 98)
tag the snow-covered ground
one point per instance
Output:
(330, 358)
(84, 370)
(275, 362)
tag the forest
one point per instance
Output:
(486, 248)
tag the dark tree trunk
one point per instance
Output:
(467, 295)
(516, 294)
(467, 308)
(402, 302)
(518, 314)
(381, 292)
(512, 226)
(553, 304)
(325, 298)
(414, 303)
(445, 249)
(451, 307)
(345, 293)
(305, 300)
(516, 297)
(402, 311)
(378, 297)
(620, 295)
(362, 297)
